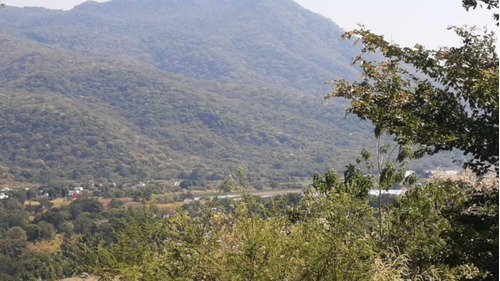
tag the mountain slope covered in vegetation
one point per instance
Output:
(161, 89)
(247, 41)
(194, 123)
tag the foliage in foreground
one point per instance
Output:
(447, 100)
(446, 229)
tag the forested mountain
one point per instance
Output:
(115, 116)
(159, 89)
(244, 41)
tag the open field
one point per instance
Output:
(261, 193)
(171, 207)
(129, 202)
(47, 246)
(60, 202)
(31, 203)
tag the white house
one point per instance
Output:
(446, 172)
(77, 192)
(397, 192)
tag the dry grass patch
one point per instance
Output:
(31, 203)
(104, 201)
(51, 246)
(60, 202)
(170, 207)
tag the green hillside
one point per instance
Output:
(162, 89)
(194, 123)
(248, 41)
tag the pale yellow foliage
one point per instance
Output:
(391, 268)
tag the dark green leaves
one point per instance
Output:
(489, 4)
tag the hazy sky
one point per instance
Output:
(405, 21)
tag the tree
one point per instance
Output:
(490, 4)
(47, 230)
(450, 222)
(33, 232)
(83, 224)
(13, 244)
(53, 216)
(82, 205)
(441, 99)
(67, 227)
(115, 203)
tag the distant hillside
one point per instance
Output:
(58, 103)
(171, 89)
(255, 42)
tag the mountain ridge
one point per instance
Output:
(217, 41)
